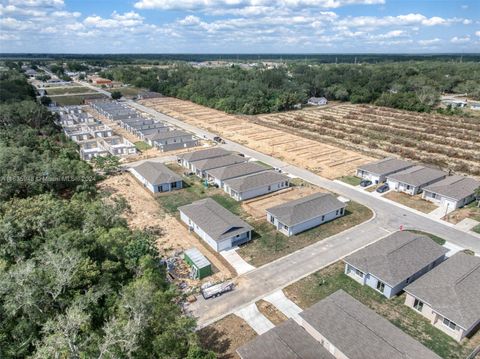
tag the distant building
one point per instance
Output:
(317, 101)
(378, 171)
(255, 185)
(414, 179)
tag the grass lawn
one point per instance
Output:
(268, 244)
(74, 99)
(352, 180)
(476, 229)
(415, 202)
(435, 238)
(67, 90)
(321, 284)
(263, 164)
(142, 146)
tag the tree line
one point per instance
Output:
(414, 86)
(75, 280)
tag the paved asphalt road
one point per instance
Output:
(284, 271)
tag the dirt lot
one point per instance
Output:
(416, 202)
(225, 336)
(145, 212)
(447, 141)
(256, 207)
(325, 159)
(469, 211)
(269, 311)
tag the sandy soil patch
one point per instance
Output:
(271, 312)
(146, 213)
(225, 336)
(256, 207)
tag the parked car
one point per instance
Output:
(383, 188)
(365, 183)
(219, 140)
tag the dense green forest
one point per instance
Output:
(412, 86)
(75, 281)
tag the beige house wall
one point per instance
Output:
(435, 319)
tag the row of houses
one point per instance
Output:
(337, 327)
(444, 290)
(94, 138)
(435, 185)
(156, 133)
(233, 173)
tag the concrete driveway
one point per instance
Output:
(255, 319)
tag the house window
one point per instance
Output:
(418, 305)
(272, 219)
(323, 218)
(449, 324)
(336, 212)
(269, 188)
(358, 273)
(408, 186)
(408, 280)
(380, 286)
(174, 184)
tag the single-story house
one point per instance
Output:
(452, 192)
(201, 266)
(150, 131)
(378, 171)
(187, 159)
(449, 295)
(217, 226)
(219, 175)
(255, 185)
(304, 213)
(414, 179)
(395, 261)
(286, 341)
(201, 167)
(317, 101)
(157, 177)
(171, 140)
(350, 330)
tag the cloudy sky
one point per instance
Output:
(239, 26)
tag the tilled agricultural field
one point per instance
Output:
(330, 161)
(449, 142)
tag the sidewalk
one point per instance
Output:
(255, 319)
(285, 305)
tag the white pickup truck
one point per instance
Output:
(209, 290)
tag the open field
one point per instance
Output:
(67, 90)
(416, 202)
(324, 159)
(72, 100)
(126, 91)
(145, 213)
(321, 284)
(225, 336)
(447, 141)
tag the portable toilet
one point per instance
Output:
(201, 267)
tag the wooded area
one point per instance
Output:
(75, 281)
(414, 86)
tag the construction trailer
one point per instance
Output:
(201, 266)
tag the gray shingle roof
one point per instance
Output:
(237, 170)
(167, 134)
(257, 180)
(452, 289)
(386, 166)
(156, 173)
(417, 175)
(286, 341)
(359, 332)
(204, 154)
(395, 258)
(455, 187)
(214, 219)
(306, 208)
(217, 162)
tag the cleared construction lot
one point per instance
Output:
(325, 159)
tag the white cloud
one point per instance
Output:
(241, 4)
(460, 40)
(467, 22)
(429, 42)
(37, 3)
(128, 19)
(477, 33)
(65, 14)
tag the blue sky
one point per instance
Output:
(239, 26)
